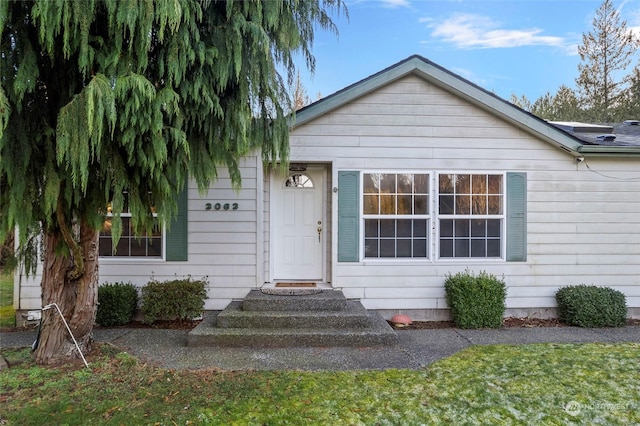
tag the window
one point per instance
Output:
(470, 215)
(396, 215)
(463, 215)
(298, 180)
(129, 245)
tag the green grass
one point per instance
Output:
(551, 384)
(7, 313)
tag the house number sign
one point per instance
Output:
(221, 206)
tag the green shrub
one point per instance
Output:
(116, 304)
(175, 299)
(476, 301)
(591, 306)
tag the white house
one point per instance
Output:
(396, 181)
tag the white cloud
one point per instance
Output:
(469, 31)
(389, 4)
(392, 4)
(632, 17)
(470, 75)
(634, 22)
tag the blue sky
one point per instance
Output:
(526, 47)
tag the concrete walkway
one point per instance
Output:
(415, 348)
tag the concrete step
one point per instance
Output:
(329, 300)
(267, 320)
(377, 333)
(353, 316)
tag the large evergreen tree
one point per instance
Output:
(299, 94)
(99, 98)
(606, 52)
(631, 102)
(563, 106)
(521, 102)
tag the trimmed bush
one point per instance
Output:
(175, 299)
(116, 304)
(476, 301)
(591, 306)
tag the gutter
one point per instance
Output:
(609, 151)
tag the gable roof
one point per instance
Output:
(453, 83)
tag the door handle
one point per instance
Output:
(319, 232)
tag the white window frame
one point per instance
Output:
(116, 258)
(428, 217)
(437, 217)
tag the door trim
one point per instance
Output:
(275, 180)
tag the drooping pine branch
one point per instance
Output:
(103, 97)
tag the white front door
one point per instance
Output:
(298, 235)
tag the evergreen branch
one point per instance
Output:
(5, 112)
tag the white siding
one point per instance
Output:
(583, 222)
(26, 287)
(583, 218)
(223, 245)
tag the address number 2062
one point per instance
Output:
(221, 206)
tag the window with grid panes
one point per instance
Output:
(396, 215)
(129, 245)
(470, 215)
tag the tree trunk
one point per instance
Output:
(77, 299)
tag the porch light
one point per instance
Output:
(297, 167)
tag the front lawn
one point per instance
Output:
(504, 384)
(7, 313)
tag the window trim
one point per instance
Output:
(437, 217)
(429, 217)
(433, 217)
(160, 258)
(294, 187)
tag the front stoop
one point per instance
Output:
(323, 319)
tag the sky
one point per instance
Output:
(521, 47)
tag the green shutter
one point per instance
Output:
(348, 216)
(176, 238)
(516, 217)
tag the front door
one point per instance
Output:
(298, 236)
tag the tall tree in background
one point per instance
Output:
(567, 105)
(99, 98)
(543, 107)
(563, 106)
(521, 102)
(605, 53)
(300, 96)
(631, 103)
